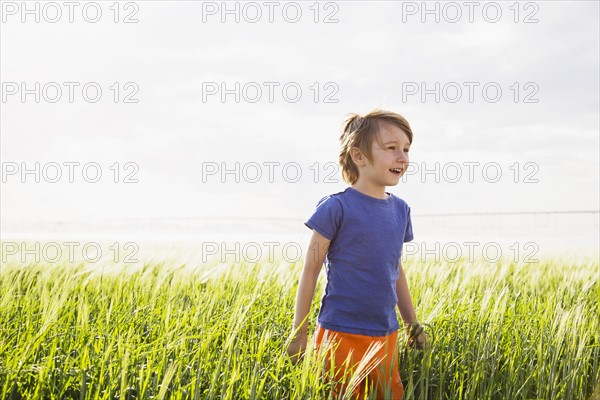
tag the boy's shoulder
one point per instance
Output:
(332, 195)
(336, 200)
(400, 201)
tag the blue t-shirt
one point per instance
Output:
(366, 236)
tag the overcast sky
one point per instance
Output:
(541, 132)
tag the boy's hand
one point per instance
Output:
(416, 336)
(297, 346)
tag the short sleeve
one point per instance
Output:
(327, 217)
(408, 234)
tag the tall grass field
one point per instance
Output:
(178, 330)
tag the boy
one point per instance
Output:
(359, 233)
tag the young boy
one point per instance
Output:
(359, 233)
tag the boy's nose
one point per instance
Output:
(403, 157)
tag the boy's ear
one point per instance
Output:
(357, 156)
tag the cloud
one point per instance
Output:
(368, 55)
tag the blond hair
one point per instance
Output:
(359, 131)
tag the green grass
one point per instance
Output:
(169, 330)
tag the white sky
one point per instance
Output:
(367, 54)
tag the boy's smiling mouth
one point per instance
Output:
(396, 171)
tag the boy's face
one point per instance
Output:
(392, 156)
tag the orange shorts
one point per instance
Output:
(349, 349)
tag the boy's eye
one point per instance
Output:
(392, 147)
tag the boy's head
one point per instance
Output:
(361, 132)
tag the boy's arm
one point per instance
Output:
(313, 263)
(405, 305)
(413, 328)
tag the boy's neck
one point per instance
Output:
(371, 190)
